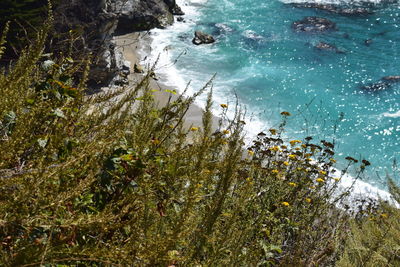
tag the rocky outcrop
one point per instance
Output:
(99, 20)
(347, 11)
(202, 38)
(313, 25)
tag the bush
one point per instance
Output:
(114, 179)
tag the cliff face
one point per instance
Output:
(99, 20)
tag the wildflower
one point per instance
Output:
(199, 185)
(285, 113)
(273, 131)
(251, 153)
(224, 142)
(224, 106)
(294, 142)
(286, 204)
(303, 146)
(286, 163)
(322, 172)
(366, 162)
(292, 184)
(292, 156)
(155, 141)
(320, 180)
(332, 160)
(384, 215)
(336, 179)
(283, 147)
(193, 129)
(308, 200)
(275, 171)
(225, 131)
(275, 148)
(297, 148)
(299, 169)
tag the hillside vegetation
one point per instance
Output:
(114, 180)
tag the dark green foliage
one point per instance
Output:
(25, 16)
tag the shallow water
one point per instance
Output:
(272, 68)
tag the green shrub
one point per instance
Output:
(114, 179)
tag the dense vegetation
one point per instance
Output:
(113, 179)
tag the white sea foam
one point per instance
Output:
(171, 76)
(392, 115)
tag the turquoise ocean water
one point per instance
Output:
(272, 68)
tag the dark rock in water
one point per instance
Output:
(313, 25)
(355, 11)
(378, 86)
(384, 84)
(177, 11)
(202, 38)
(368, 42)
(346, 36)
(174, 8)
(392, 79)
(180, 19)
(328, 47)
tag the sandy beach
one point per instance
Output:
(134, 47)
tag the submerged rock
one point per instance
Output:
(202, 38)
(378, 86)
(384, 84)
(349, 11)
(393, 79)
(313, 25)
(328, 47)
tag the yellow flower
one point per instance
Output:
(224, 106)
(275, 148)
(291, 156)
(156, 141)
(336, 179)
(286, 204)
(283, 147)
(322, 172)
(303, 146)
(384, 215)
(251, 153)
(272, 131)
(292, 184)
(275, 171)
(286, 163)
(225, 131)
(294, 142)
(308, 200)
(193, 129)
(333, 160)
(320, 180)
(224, 142)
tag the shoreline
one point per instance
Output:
(137, 48)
